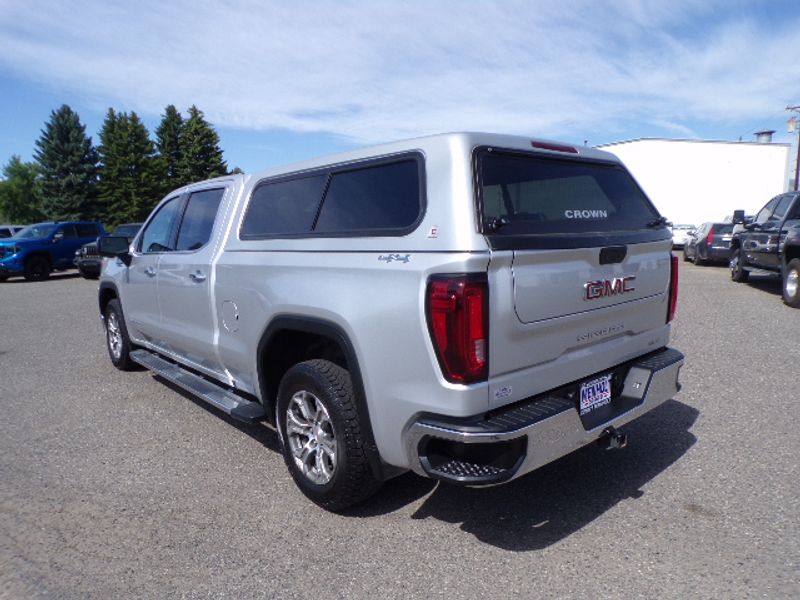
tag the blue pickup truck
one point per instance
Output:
(41, 248)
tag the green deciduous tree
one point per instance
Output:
(68, 165)
(19, 193)
(130, 182)
(201, 156)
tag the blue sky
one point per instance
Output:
(283, 81)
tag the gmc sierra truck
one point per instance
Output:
(771, 244)
(466, 306)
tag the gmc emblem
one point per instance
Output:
(592, 290)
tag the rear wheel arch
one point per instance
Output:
(289, 340)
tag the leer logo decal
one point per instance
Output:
(592, 290)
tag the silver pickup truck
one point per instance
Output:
(467, 306)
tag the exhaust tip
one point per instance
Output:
(612, 439)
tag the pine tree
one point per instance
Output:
(109, 170)
(168, 144)
(68, 164)
(129, 176)
(201, 156)
(19, 193)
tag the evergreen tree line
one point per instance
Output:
(121, 180)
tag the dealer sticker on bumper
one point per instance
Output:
(595, 393)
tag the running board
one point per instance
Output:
(228, 402)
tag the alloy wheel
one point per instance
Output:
(311, 437)
(791, 283)
(114, 335)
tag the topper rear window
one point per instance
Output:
(528, 194)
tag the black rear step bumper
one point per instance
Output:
(503, 444)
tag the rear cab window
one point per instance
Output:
(527, 199)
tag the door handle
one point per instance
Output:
(197, 276)
(150, 271)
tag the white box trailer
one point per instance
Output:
(692, 181)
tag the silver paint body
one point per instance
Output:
(209, 308)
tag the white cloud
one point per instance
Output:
(377, 70)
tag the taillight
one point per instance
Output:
(710, 237)
(457, 308)
(673, 288)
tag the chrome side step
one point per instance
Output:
(228, 402)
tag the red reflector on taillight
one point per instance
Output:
(457, 311)
(710, 237)
(673, 288)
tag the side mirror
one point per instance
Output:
(738, 217)
(58, 236)
(115, 247)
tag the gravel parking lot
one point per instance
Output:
(118, 485)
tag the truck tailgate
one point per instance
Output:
(561, 316)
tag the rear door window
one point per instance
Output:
(523, 194)
(198, 219)
(780, 208)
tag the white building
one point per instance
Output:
(692, 181)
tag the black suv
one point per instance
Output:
(770, 243)
(89, 261)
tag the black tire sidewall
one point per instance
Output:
(339, 492)
(739, 274)
(34, 275)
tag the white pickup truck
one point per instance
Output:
(466, 306)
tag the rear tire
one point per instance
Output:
(738, 273)
(37, 268)
(117, 341)
(685, 256)
(320, 435)
(697, 259)
(791, 283)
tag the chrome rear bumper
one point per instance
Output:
(503, 445)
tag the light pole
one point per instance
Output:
(795, 128)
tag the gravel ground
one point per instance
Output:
(117, 485)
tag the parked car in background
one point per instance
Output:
(711, 242)
(679, 233)
(771, 244)
(41, 248)
(89, 261)
(6, 231)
